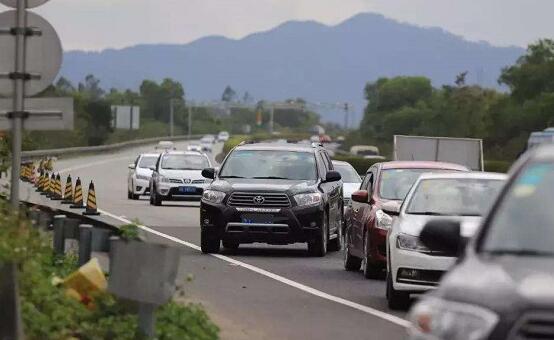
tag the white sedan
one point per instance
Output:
(413, 268)
(350, 179)
(139, 175)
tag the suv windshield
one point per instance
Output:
(348, 174)
(395, 183)
(270, 164)
(184, 162)
(524, 220)
(454, 197)
(148, 162)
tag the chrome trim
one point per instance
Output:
(260, 210)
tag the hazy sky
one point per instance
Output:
(99, 24)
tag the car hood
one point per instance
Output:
(143, 172)
(413, 224)
(262, 185)
(349, 188)
(502, 283)
(180, 174)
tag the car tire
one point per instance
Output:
(336, 243)
(396, 300)
(318, 246)
(371, 270)
(230, 245)
(129, 195)
(208, 243)
(351, 262)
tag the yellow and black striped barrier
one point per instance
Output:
(78, 195)
(68, 193)
(45, 184)
(91, 208)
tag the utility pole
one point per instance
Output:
(271, 118)
(346, 118)
(171, 112)
(189, 125)
(131, 114)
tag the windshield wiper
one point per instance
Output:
(231, 176)
(269, 177)
(519, 252)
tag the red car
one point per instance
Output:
(372, 209)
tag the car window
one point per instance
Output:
(367, 183)
(327, 160)
(275, 164)
(348, 174)
(184, 162)
(147, 162)
(395, 183)
(453, 196)
(524, 220)
(321, 166)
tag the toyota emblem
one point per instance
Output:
(187, 180)
(259, 200)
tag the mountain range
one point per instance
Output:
(300, 59)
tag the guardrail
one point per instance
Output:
(101, 148)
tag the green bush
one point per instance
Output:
(359, 163)
(497, 166)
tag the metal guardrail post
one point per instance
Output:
(85, 243)
(59, 238)
(11, 326)
(146, 319)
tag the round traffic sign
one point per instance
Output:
(30, 3)
(43, 55)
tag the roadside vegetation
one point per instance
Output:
(49, 313)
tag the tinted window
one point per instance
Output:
(348, 174)
(524, 220)
(270, 164)
(148, 161)
(395, 183)
(454, 197)
(184, 162)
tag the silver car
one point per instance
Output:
(138, 180)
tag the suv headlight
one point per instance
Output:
(384, 221)
(412, 243)
(438, 319)
(213, 196)
(308, 199)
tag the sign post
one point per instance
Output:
(31, 60)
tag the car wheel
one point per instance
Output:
(208, 243)
(371, 270)
(318, 246)
(230, 245)
(351, 262)
(396, 300)
(135, 197)
(336, 243)
(129, 195)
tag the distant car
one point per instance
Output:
(463, 197)
(207, 143)
(381, 193)
(194, 147)
(177, 176)
(502, 284)
(165, 146)
(350, 179)
(139, 175)
(223, 136)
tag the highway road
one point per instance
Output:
(258, 292)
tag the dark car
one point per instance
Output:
(275, 194)
(370, 215)
(503, 284)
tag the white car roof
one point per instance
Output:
(465, 175)
(149, 155)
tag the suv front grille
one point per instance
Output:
(175, 180)
(534, 326)
(252, 199)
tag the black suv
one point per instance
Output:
(275, 194)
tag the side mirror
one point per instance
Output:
(153, 168)
(208, 173)
(132, 166)
(442, 235)
(360, 196)
(333, 176)
(391, 208)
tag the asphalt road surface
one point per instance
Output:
(258, 292)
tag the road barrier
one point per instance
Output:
(91, 208)
(51, 186)
(58, 196)
(78, 195)
(68, 193)
(45, 184)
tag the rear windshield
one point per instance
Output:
(148, 162)
(348, 174)
(395, 183)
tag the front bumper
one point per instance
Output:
(378, 245)
(243, 225)
(417, 272)
(141, 186)
(177, 192)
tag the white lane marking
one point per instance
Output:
(375, 312)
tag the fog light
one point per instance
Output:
(313, 224)
(206, 221)
(164, 191)
(138, 188)
(411, 274)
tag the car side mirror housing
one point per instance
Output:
(132, 166)
(333, 176)
(391, 208)
(153, 168)
(208, 173)
(442, 235)
(360, 196)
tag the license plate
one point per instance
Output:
(257, 219)
(187, 190)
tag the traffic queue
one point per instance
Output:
(432, 227)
